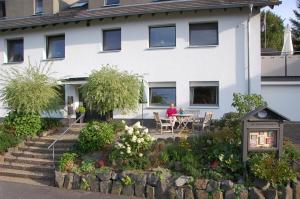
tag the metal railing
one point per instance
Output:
(52, 145)
(278, 64)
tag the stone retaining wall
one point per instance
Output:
(149, 185)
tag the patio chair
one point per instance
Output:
(166, 125)
(202, 123)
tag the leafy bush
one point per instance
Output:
(108, 89)
(50, 123)
(231, 120)
(246, 103)
(80, 109)
(266, 167)
(29, 90)
(118, 125)
(130, 150)
(67, 162)
(22, 125)
(7, 140)
(126, 181)
(290, 152)
(87, 167)
(95, 136)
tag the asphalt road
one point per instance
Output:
(10, 190)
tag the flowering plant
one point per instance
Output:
(133, 144)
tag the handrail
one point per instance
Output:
(52, 145)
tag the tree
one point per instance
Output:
(296, 27)
(245, 103)
(273, 29)
(28, 90)
(109, 89)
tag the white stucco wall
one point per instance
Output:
(284, 99)
(225, 63)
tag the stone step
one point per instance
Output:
(58, 145)
(26, 174)
(50, 140)
(23, 160)
(27, 181)
(43, 150)
(47, 156)
(27, 167)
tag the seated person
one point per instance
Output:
(171, 111)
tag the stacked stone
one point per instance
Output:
(149, 185)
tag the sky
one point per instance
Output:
(285, 10)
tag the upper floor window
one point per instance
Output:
(112, 2)
(112, 39)
(162, 36)
(39, 8)
(204, 93)
(204, 34)
(55, 46)
(15, 50)
(2, 9)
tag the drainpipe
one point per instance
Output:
(248, 44)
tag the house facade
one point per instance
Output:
(194, 53)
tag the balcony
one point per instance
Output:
(280, 67)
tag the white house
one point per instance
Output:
(196, 53)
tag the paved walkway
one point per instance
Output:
(10, 190)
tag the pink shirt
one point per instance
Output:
(171, 112)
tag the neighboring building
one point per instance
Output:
(192, 52)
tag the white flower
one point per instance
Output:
(123, 122)
(128, 152)
(128, 148)
(121, 153)
(142, 139)
(127, 127)
(137, 125)
(140, 154)
(138, 141)
(152, 139)
(130, 131)
(120, 145)
(146, 131)
(134, 138)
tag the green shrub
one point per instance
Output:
(50, 123)
(22, 125)
(290, 152)
(126, 181)
(118, 125)
(131, 149)
(80, 109)
(7, 140)
(245, 103)
(87, 167)
(229, 120)
(67, 161)
(95, 136)
(266, 167)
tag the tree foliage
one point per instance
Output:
(296, 27)
(274, 30)
(109, 89)
(246, 103)
(28, 90)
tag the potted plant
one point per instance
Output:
(80, 111)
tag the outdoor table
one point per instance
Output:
(183, 120)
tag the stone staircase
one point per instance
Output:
(32, 162)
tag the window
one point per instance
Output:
(79, 4)
(15, 50)
(162, 94)
(204, 34)
(204, 93)
(112, 2)
(39, 7)
(2, 9)
(112, 39)
(56, 46)
(163, 36)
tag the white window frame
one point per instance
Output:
(170, 84)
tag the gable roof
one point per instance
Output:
(275, 114)
(128, 10)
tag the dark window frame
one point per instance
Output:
(35, 8)
(217, 88)
(3, 9)
(204, 23)
(162, 26)
(104, 40)
(161, 105)
(47, 46)
(112, 4)
(8, 52)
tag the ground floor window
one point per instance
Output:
(204, 93)
(162, 94)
